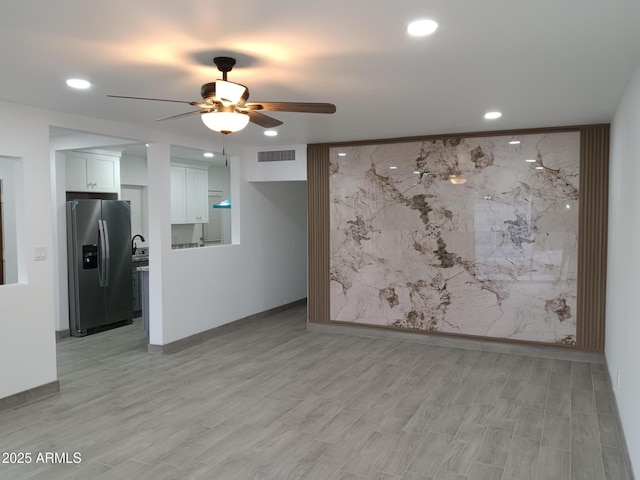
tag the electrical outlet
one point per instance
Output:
(617, 380)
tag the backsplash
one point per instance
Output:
(185, 234)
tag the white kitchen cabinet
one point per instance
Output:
(178, 192)
(197, 195)
(92, 172)
(189, 195)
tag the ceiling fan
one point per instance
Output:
(225, 108)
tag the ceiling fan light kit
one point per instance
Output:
(225, 122)
(225, 108)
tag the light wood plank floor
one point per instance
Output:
(271, 401)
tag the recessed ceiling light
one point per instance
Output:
(530, 160)
(78, 83)
(208, 154)
(421, 28)
(270, 133)
(514, 142)
(568, 206)
(342, 154)
(392, 168)
(146, 144)
(492, 115)
(539, 168)
(487, 197)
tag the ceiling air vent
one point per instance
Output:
(277, 156)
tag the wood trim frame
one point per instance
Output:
(318, 233)
(592, 230)
(592, 237)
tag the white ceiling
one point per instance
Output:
(542, 63)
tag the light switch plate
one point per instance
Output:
(40, 253)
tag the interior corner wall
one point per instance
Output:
(623, 302)
(208, 287)
(159, 241)
(27, 339)
(58, 200)
(133, 170)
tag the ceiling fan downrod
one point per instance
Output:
(225, 65)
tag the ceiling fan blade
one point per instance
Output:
(263, 120)
(304, 107)
(155, 99)
(180, 115)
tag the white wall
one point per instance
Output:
(27, 339)
(193, 290)
(623, 302)
(11, 177)
(219, 180)
(190, 291)
(219, 284)
(137, 197)
(59, 216)
(133, 170)
(133, 177)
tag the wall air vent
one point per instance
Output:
(277, 156)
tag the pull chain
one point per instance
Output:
(224, 150)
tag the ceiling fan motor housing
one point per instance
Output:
(208, 93)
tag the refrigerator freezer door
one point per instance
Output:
(116, 216)
(86, 298)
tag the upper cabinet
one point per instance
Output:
(197, 195)
(189, 194)
(178, 194)
(92, 172)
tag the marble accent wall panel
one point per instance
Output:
(495, 256)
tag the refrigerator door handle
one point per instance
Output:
(107, 257)
(101, 252)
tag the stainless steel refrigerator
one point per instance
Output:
(99, 259)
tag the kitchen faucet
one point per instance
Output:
(134, 247)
